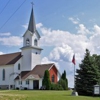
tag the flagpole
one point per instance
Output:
(74, 77)
(74, 93)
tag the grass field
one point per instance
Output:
(41, 95)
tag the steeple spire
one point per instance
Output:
(32, 25)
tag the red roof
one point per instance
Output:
(7, 59)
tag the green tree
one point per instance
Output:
(63, 81)
(87, 76)
(46, 80)
(96, 59)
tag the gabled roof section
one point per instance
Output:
(37, 72)
(40, 69)
(32, 25)
(8, 59)
(23, 74)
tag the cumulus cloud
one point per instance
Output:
(82, 29)
(77, 42)
(66, 44)
(63, 52)
(96, 29)
(11, 41)
(39, 25)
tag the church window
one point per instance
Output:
(53, 78)
(18, 66)
(27, 41)
(3, 74)
(35, 42)
(27, 82)
(20, 82)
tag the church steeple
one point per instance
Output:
(31, 37)
(32, 25)
(31, 49)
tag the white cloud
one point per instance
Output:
(25, 25)
(82, 29)
(5, 34)
(11, 41)
(74, 21)
(46, 60)
(61, 53)
(66, 44)
(96, 29)
(1, 53)
(77, 42)
(37, 25)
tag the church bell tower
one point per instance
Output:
(31, 50)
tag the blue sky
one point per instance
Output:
(66, 27)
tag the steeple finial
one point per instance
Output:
(32, 4)
(32, 25)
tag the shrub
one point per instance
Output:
(25, 88)
(63, 84)
(17, 88)
(56, 87)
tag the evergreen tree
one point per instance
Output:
(63, 77)
(87, 75)
(62, 83)
(46, 80)
(97, 62)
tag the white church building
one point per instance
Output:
(24, 69)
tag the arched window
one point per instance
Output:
(35, 42)
(18, 66)
(53, 78)
(27, 41)
(3, 74)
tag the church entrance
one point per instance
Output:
(35, 84)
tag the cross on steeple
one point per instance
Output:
(32, 4)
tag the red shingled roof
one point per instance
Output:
(7, 59)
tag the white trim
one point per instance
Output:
(28, 31)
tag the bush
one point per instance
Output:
(25, 88)
(63, 84)
(56, 87)
(17, 88)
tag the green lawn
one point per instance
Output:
(41, 95)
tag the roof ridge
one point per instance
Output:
(45, 64)
(9, 53)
